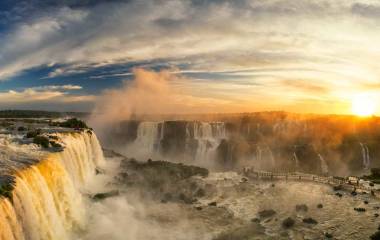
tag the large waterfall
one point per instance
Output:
(46, 203)
(192, 140)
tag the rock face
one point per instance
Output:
(289, 141)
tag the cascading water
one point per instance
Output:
(208, 137)
(296, 161)
(149, 135)
(46, 203)
(201, 139)
(324, 166)
(365, 156)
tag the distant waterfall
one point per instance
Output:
(296, 161)
(46, 202)
(273, 162)
(208, 137)
(264, 157)
(149, 135)
(324, 167)
(200, 138)
(365, 156)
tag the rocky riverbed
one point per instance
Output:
(175, 201)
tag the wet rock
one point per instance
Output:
(42, 141)
(101, 196)
(309, 220)
(266, 213)
(328, 235)
(288, 222)
(375, 236)
(360, 209)
(320, 205)
(99, 171)
(301, 207)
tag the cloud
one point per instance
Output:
(237, 33)
(251, 47)
(44, 95)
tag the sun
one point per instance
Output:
(363, 105)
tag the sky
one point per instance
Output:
(226, 56)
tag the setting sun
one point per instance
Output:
(363, 105)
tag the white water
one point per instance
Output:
(47, 203)
(365, 156)
(208, 136)
(324, 166)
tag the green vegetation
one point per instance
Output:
(375, 236)
(164, 180)
(71, 123)
(21, 129)
(374, 177)
(55, 144)
(42, 141)
(33, 133)
(288, 222)
(37, 114)
(6, 186)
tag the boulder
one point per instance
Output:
(288, 222)
(309, 220)
(101, 196)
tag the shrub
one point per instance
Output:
(288, 222)
(21, 129)
(55, 144)
(42, 141)
(73, 123)
(34, 133)
(375, 236)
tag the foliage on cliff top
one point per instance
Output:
(6, 186)
(175, 171)
(71, 123)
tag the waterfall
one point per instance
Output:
(324, 166)
(365, 156)
(201, 139)
(208, 137)
(296, 161)
(273, 162)
(149, 136)
(46, 203)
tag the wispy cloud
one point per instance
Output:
(255, 49)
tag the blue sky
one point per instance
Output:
(241, 55)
